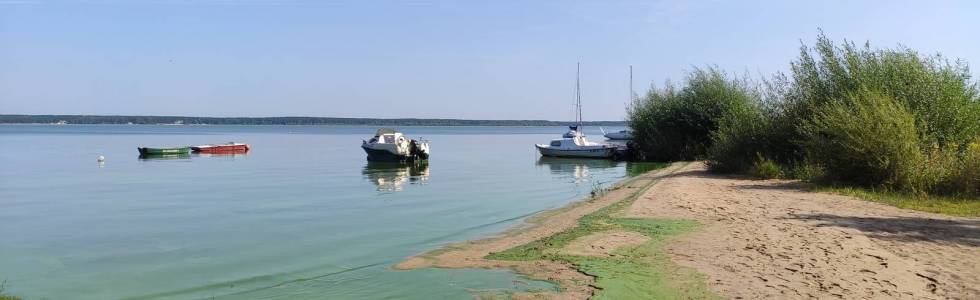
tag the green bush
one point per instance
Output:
(931, 92)
(764, 168)
(966, 178)
(866, 139)
(803, 170)
(740, 138)
(671, 124)
(891, 119)
(959, 172)
(937, 92)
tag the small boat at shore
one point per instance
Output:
(230, 147)
(390, 145)
(622, 135)
(576, 146)
(163, 151)
(573, 143)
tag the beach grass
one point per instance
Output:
(948, 205)
(644, 271)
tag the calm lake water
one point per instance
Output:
(301, 216)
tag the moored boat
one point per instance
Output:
(622, 135)
(164, 156)
(230, 147)
(163, 151)
(390, 145)
(576, 146)
(573, 143)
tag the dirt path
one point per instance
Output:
(771, 239)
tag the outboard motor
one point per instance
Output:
(417, 150)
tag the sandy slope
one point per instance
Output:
(770, 239)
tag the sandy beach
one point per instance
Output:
(772, 239)
(758, 239)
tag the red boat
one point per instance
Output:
(221, 148)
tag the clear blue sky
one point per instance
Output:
(445, 59)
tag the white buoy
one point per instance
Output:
(100, 158)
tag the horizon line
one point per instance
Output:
(4, 117)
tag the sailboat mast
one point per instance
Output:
(578, 96)
(631, 85)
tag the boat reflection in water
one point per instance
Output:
(164, 156)
(392, 176)
(576, 168)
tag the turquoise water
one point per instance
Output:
(301, 216)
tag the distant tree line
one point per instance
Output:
(95, 119)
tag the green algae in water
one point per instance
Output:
(639, 272)
(430, 283)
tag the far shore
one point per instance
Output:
(264, 125)
(285, 120)
(749, 239)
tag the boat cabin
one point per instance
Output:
(577, 141)
(387, 136)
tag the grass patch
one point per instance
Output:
(956, 206)
(638, 272)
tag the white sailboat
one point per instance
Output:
(574, 143)
(623, 135)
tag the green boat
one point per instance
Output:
(164, 156)
(161, 151)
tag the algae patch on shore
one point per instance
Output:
(641, 271)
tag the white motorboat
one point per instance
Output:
(573, 143)
(390, 145)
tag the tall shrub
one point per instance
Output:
(957, 172)
(742, 137)
(937, 92)
(676, 124)
(868, 139)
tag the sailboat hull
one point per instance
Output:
(619, 136)
(597, 152)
